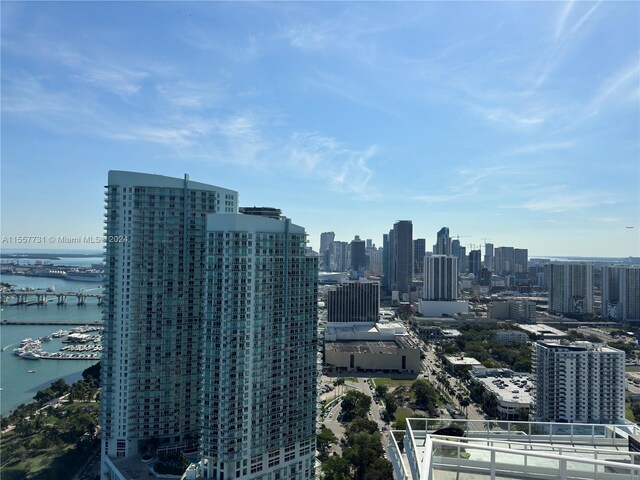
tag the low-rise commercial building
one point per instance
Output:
(512, 391)
(398, 356)
(522, 311)
(456, 364)
(546, 332)
(511, 336)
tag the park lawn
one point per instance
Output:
(392, 382)
(628, 412)
(633, 368)
(403, 413)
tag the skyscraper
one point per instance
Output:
(419, 249)
(443, 242)
(403, 256)
(153, 311)
(357, 301)
(475, 262)
(386, 260)
(520, 260)
(579, 382)
(570, 288)
(358, 255)
(325, 239)
(440, 278)
(505, 260)
(260, 341)
(621, 292)
(488, 256)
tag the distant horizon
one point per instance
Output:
(101, 253)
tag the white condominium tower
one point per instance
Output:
(621, 292)
(570, 288)
(579, 382)
(260, 341)
(154, 312)
(440, 278)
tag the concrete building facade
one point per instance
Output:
(570, 288)
(578, 382)
(621, 292)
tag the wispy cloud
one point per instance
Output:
(561, 198)
(471, 182)
(537, 148)
(562, 39)
(622, 86)
(345, 168)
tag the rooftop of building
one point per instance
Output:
(507, 385)
(472, 449)
(461, 360)
(360, 346)
(544, 330)
(578, 346)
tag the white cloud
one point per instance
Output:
(345, 168)
(560, 198)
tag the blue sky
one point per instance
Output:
(513, 121)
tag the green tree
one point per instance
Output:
(45, 395)
(325, 439)
(381, 390)
(380, 469)
(355, 404)
(360, 425)
(390, 405)
(426, 396)
(364, 449)
(335, 468)
(59, 387)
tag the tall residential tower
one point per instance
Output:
(153, 311)
(260, 343)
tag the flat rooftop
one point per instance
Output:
(360, 346)
(461, 360)
(544, 330)
(510, 389)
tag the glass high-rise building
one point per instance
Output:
(153, 311)
(260, 343)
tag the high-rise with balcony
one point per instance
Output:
(579, 382)
(570, 288)
(260, 342)
(153, 311)
(621, 292)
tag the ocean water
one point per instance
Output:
(18, 385)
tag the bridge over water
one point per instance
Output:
(41, 297)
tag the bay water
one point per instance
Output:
(17, 383)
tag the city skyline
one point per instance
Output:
(515, 122)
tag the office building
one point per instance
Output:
(578, 382)
(153, 312)
(326, 238)
(443, 242)
(522, 311)
(460, 253)
(419, 249)
(401, 259)
(357, 301)
(475, 263)
(570, 288)
(504, 260)
(260, 341)
(488, 256)
(386, 262)
(374, 261)
(621, 292)
(338, 256)
(357, 255)
(520, 260)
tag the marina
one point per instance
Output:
(84, 346)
